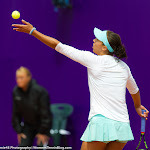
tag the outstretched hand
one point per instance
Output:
(26, 27)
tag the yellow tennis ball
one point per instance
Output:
(15, 14)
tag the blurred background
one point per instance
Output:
(66, 80)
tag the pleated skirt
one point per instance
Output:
(101, 128)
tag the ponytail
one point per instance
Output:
(115, 42)
(120, 52)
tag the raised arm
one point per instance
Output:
(26, 27)
(86, 58)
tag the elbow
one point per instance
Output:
(136, 91)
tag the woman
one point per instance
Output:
(108, 76)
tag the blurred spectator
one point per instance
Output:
(31, 114)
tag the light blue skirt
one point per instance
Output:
(105, 130)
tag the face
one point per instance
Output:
(22, 79)
(98, 47)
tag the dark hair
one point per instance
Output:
(115, 42)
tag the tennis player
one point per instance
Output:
(108, 77)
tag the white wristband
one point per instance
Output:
(32, 30)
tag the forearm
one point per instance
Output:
(16, 125)
(49, 41)
(45, 115)
(45, 125)
(26, 27)
(16, 117)
(137, 100)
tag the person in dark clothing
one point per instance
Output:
(31, 115)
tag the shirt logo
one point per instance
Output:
(18, 98)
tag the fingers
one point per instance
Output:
(18, 25)
(19, 139)
(38, 141)
(43, 140)
(142, 107)
(21, 25)
(144, 116)
(147, 111)
(15, 28)
(25, 22)
(18, 29)
(24, 136)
